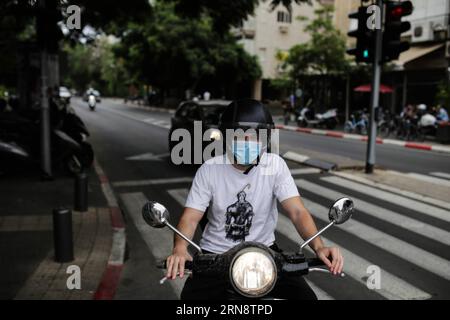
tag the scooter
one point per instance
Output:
(251, 269)
(92, 102)
(68, 140)
(328, 119)
(428, 125)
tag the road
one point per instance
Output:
(407, 240)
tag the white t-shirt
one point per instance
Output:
(242, 207)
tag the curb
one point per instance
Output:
(340, 135)
(307, 161)
(111, 276)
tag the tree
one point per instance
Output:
(95, 65)
(322, 56)
(175, 52)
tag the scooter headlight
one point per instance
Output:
(253, 272)
(215, 135)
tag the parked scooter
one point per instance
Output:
(92, 102)
(68, 139)
(251, 269)
(328, 119)
(428, 126)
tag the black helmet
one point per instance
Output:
(246, 114)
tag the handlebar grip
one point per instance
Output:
(163, 265)
(315, 262)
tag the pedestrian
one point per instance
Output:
(442, 114)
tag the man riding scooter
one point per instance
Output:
(242, 198)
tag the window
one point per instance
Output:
(284, 17)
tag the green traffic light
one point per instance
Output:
(366, 53)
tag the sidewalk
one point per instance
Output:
(28, 269)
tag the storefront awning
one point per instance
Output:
(416, 52)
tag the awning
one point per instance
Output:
(416, 52)
(368, 88)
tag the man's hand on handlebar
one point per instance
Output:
(332, 258)
(175, 262)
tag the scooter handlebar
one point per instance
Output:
(188, 265)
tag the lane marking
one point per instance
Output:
(388, 216)
(411, 204)
(438, 181)
(407, 194)
(441, 175)
(158, 241)
(395, 246)
(392, 287)
(302, 171)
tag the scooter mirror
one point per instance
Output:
(155, 214)
(341, 211)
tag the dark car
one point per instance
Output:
(188, 112)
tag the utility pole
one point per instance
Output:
(375, 98)
(46, 161)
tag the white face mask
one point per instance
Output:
(246, 152)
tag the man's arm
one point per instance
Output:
(304, 223)
(187, 226)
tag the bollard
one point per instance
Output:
(81, 192)
(62, 235)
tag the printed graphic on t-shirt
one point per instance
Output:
(239, 218)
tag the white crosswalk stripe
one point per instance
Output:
(159, 241)
(441, 175)
(392, 287)
(437, 181)
(395, 246)
(391, 198)
(389, 216)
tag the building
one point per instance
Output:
(416, 75)
(426, 65)
(267, 33)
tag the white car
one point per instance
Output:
(65, 94)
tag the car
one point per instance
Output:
(188, 112)
(65, 94)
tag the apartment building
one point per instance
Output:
(270, 31)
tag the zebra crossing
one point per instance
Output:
(375, 237)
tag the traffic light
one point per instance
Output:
(364, 51)
(394, 27)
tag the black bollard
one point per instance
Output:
(81, 192)
(62, 235)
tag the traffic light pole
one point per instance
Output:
(375, 99)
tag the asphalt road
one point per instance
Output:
(407, 242)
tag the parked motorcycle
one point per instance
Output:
(308, 118)
(251, 269)
(68, 139)
(92, 102)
